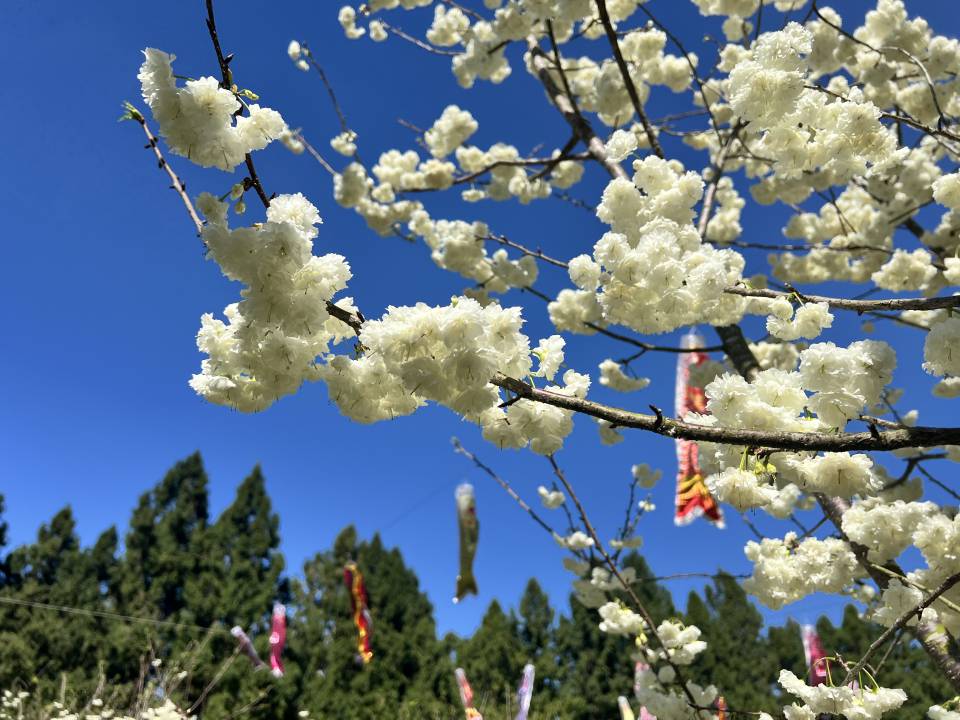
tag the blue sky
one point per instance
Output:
(106, 283)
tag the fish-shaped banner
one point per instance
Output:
(246, 647)
(353, 579)
(469, 534)
(816, 657)
(693, 497)
(278, 638)
(525, 693)
(466, 696)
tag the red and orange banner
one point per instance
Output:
(693, 497)
(353, 579)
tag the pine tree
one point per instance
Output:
(736, 659)
(409, 676)
(41, 646)
(537, 639)
(493, 658)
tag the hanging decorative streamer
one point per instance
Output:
(525, 693)
(693, 497)
(466, 696)
(721, 708)
(278, 638)
(246, 647)
(469, 535)
(638, 670)
(353, 579)
(626, 712)
(816, 657)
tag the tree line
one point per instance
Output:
(191, 571)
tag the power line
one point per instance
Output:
(110, 616)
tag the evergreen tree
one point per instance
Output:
(493, 658)
(409, 676)
(42, 646)
(737, 656)
(537, 639)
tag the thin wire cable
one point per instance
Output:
(111, 616)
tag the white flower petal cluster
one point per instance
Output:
(785, 571)
(644, 476)
(550, 354)
(682, 642)
(345, 143)
(941, 349)
(845, 380)
(742, 488)
(836, 133)
(654, 272)
(906, 271)
(458, 246)
(450, 131)
(946, 190)
(613, 376)
(838, 475)
(551, 499)
(347, 17)
(938, 712)
(672, 703)
(809, 320)
(197, 120)
(852, 703)
(620, 145)
(885, 528)
(577, 540)
(273, 337)
(620, 620)
(898, 599)
(444, 354)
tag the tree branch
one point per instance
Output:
(678, 429)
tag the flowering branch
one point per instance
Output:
(834, 508)
(861, 306)
(627, 80)
(678, 429)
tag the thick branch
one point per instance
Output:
(571, 113)
(934, 303)
(672, 428)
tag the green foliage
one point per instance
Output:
(192, 572)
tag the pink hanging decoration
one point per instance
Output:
(466, 696)
(693, 497)
(816, 657)
(278, 638)
(247, 648)
(638, 670)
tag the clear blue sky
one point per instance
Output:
(106, 283)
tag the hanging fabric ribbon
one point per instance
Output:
(469, 535)
(353, 579)
(816, 657)
(626, 712)
(278, 638)
(693, 497)
(466, 696)
(525, 693)
(721, 708)
(246, 647)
